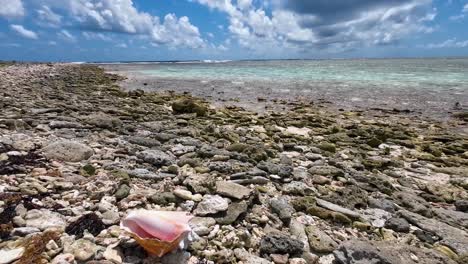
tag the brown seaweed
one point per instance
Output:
(90, 222)
(35, 246)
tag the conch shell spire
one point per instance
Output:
(159, 232)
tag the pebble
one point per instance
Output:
(44, 219)
(232, 190)
(68, 151)
(7, 256)
(211, 204)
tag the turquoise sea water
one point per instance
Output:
(430, 86)
(393, 72)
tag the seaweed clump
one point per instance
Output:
(19, 164)
(90, 222)
(6, 216)
(35, 246)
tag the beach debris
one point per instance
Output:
(158, 232)
(35, 247)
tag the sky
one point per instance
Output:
(147, 30)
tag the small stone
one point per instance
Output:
(122, 192)
(183, 194)
(82, 249)
(202, 225)
(64, 124)
(104, 121)
(321, 180)
(232, 190)
(64, 259)
(188, 106)
(43, 219)
(233, 212)
(113, 255)
(330, 147)
(24, 231)
(297, 261)
(7, 256)
(281, 244)
(249, 258)
(398, 225)
(297, 188)
(374, 142)
(319, 241)
(462, 205)
(211, 204)
(88, 170)
(361, 226)
(164, 198)
(156, 157)
(67, 151)
(283, 209)
(110, 218)
(279, 259)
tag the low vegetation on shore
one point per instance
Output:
(307, 185)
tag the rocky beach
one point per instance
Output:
(308, 184)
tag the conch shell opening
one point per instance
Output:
(158, 232)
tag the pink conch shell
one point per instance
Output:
(159, 232)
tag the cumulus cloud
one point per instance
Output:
(460, 16)
(47, 17)
(65, 35)
(94, 35)
(121, 45)
(11, 9)
(332, 24)
(24, 32)
(122, 16)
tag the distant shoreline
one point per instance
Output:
(260, 95)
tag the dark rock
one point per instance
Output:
(88, 170)
(351, 197)
(283, 209)
(329, 171)
(103, 121)
(164, 198)
(454, 238)
(426, 237)
(234, 211)
(122, 192)
(398, 225)
(188, 106)
(281, 170)
(462, 205)
(383, 204)
(374, 142)
(156, 157)
(366, 252)
(64, 124)
(281, 244)
(329, 147)
(413, 203)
